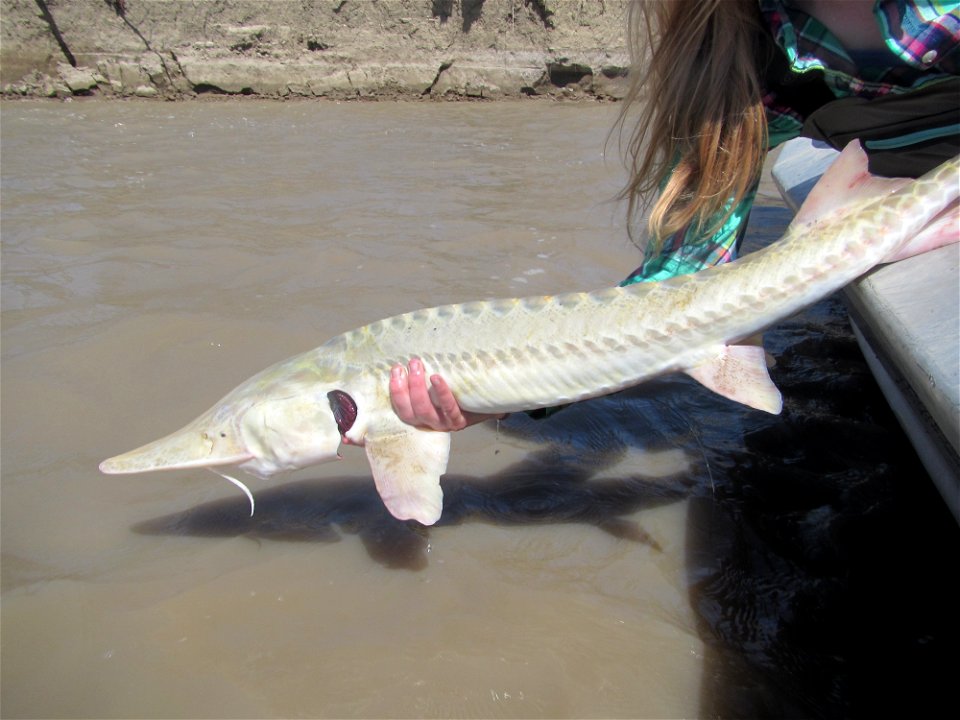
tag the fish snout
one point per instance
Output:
(196, 445)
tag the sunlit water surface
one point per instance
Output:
(657, 553)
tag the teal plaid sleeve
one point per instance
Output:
(686, 252)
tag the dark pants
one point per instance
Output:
(905, 135)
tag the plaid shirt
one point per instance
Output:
(921, 52)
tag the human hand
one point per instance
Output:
(435, 408)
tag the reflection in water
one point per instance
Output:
(656, 553)
(825, 594)
(572, 477)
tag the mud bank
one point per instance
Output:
(313, 48)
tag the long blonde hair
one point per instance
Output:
(701, 135)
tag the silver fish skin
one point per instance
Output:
(524, 353)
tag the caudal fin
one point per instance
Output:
(845, 185)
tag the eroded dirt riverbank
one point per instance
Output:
(317, 48)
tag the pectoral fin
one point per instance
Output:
(407, 464)
(739, 373)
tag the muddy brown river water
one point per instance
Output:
(658, 553)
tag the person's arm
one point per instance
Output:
(688, 252)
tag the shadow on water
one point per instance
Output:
(563, 481)
(816, 563)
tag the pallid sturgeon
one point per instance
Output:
(509, 355)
